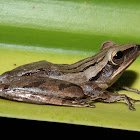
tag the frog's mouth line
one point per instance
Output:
(130, 57)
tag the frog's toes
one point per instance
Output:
(133, 100)
(88, 105)
(83, 104)
(132, 107)
(91, 105)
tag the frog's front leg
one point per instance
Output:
(130, 89)
(110, 98)
(98, 94)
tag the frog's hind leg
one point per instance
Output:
(23, 96)
(43, 90)
(65, 102)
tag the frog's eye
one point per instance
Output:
(118, 58)
(118, 55)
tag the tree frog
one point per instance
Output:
(79, 84)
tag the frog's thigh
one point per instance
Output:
(43, 91)
(61, 89)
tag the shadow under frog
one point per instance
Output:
(127, 79)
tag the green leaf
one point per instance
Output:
(65, 31)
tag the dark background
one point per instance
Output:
(20, 128)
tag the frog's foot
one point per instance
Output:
(109, 97)
(133, 100)
(127, 99)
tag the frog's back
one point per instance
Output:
(26, 69)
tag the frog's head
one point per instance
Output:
(121, 56)
(116, 58)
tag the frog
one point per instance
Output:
(78, 85)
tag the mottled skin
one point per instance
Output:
(73, 85)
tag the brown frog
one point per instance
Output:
(77, 84)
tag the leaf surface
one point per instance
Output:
(65, 31)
